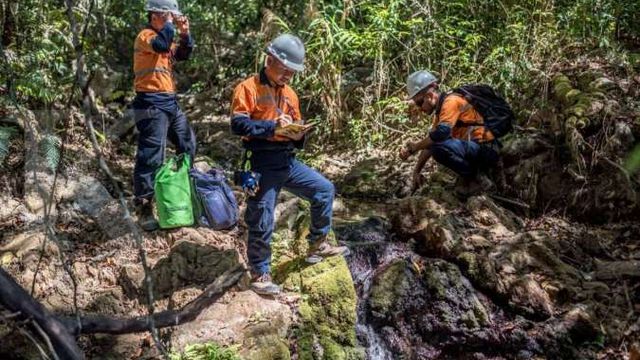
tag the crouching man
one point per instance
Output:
(458, 138)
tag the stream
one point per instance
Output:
(372, 248)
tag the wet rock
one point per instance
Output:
(430, 305)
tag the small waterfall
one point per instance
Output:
(371, 249)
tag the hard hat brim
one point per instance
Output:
(411, 96)
(293, 66)
(290, 65)
(173, 12)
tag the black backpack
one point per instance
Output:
(496, 112)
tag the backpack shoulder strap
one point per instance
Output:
(443, 96)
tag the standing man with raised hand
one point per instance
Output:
(263, 105)
(157, 113)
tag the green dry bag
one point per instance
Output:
(173, 193)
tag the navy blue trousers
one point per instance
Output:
(464, 157)
(155, 127)
(281, 171)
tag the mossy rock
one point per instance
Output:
(603, 84)
(328, 307)
(389, 286)
(270, 347)
(634, 60)
(562, 88)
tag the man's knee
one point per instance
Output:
(448, 155)
(150, 153)
(443, 153)
(325, 189)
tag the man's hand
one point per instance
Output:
(299, 135)
(417, 181)
(168, 17)
(283, 120)
(406, 151)
(183, 25)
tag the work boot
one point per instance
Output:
(262, 284)
(321, 249)
(146, 220)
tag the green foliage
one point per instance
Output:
(208, 351)
(50, 150)
(6, 134)
(358, 54)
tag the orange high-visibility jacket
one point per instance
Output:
(258, 100)
(153, 71)
(456, 112)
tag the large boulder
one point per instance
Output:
(258, 325)
(423, 306)
(327, 310)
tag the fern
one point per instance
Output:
(50, 150)
(6, 133)
(208, 351)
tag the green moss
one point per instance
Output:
(388, 286)
(562, 87)
(469, 319)
(327, 310)
(481, 313)
(270, 348)
(435, 284)
(634, 60)
(572, 96)
(328, 307)
(469, 262)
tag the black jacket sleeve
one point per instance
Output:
(184, 48)
(242, 125)
(162, 42)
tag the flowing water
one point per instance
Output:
(372, 248)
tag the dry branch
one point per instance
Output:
(59, 331)
(609, 270)
(14, 298)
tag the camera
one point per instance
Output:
(249, 181)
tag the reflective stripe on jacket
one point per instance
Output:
(153, 70)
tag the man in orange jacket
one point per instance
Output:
(457, 139)
(263, 105)
(157, 113)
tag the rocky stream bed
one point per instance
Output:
(550, 269)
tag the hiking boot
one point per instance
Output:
(322, 249)
(146, 220)
(262, 284)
